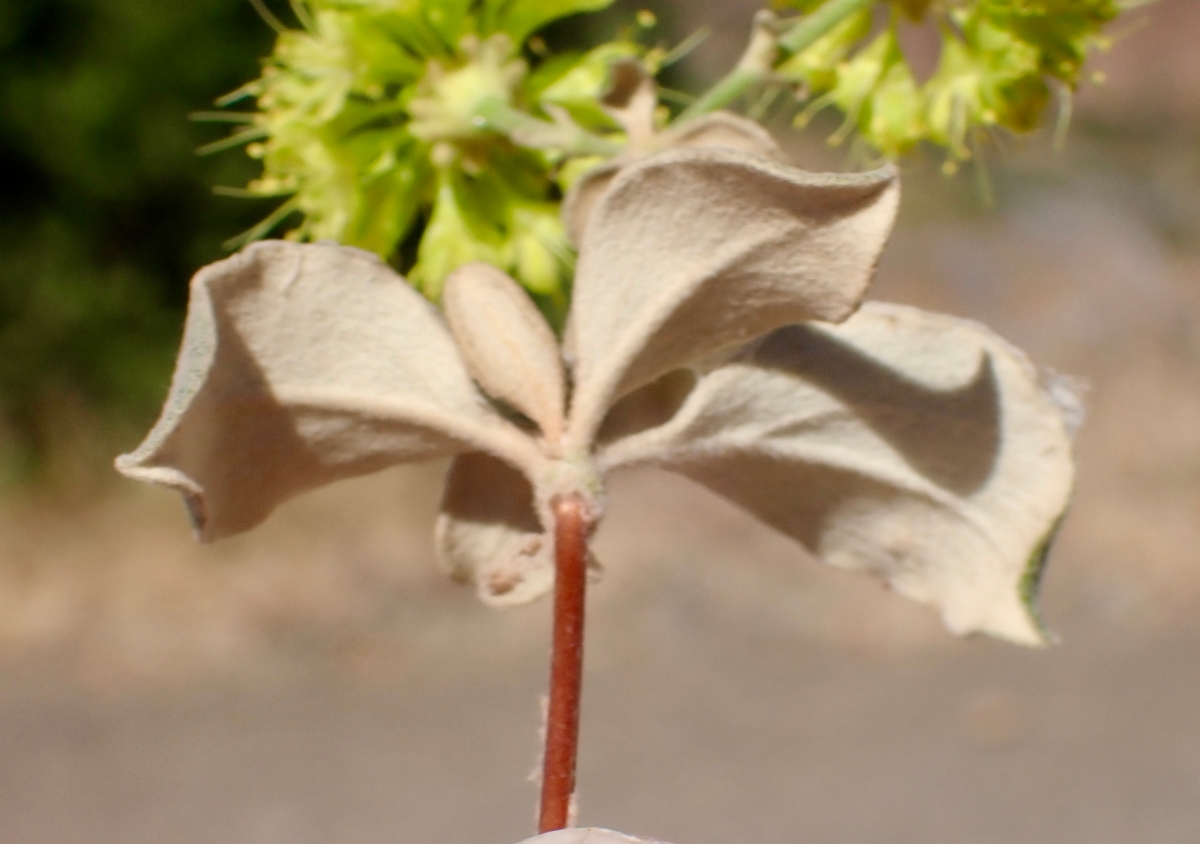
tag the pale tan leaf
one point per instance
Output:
(302, 364)
(488, 532)
(725, 130)
(508, 347)
(490, 529)
(693, 250)
(720, 129)
(913, 446)
(581, 198)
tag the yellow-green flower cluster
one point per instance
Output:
(998, 64)
(440, 132)
(396, 126)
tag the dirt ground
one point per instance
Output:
(318, 682)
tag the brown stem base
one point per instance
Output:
(566, 664)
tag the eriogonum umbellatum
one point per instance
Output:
(711, 295)
(715, 330)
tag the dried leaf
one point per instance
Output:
(488, 532)
(917, 447)
(302, 364)
(507, 345)
(721, 129)
(693, 250)
(491, 529)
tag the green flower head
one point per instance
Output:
(1000, 62)
(406, 127)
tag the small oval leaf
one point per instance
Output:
(507, 345)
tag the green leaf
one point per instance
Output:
(388, 207)
(584, 77)
(449, 18)
(579, 85)
(537, 251)
(521, 18)
(817, 65)
(454, 236)
(894, 121)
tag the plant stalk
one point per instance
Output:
(826, 17)
(752, 71)
(566, 664)
(526, 130)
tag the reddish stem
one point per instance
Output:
(566, 664)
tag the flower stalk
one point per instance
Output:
(566, 664)
(805, 33)
(758, 61)
(563, 137)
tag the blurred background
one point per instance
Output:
(318, 682)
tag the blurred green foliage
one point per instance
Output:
(107, 211)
